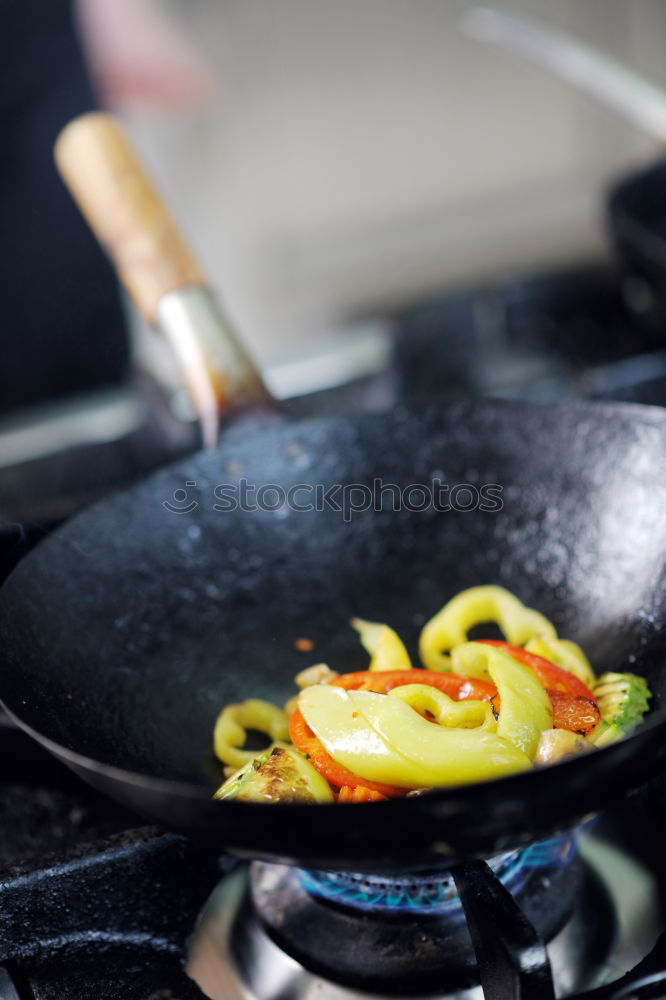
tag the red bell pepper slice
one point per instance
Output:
(336, 775)
(381, 681)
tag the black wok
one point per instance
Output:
(124, 633)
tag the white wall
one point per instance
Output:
(363, 152)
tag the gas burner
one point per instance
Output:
(388, 947)
(273, 931)
(432, 893)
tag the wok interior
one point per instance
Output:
(126, 632)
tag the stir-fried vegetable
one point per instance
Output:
(338, 775)
(359, 794)
(481, 709)
(525, 707)
(384, 740)
(280, 774)
(478, 606)
(556, 744)
(385, 646)
(552, 677)
(233, 722)
(320, 673)
(458, 688)
(573, 712)
(623, 701)
(430, 702)
(563, 653)
(572, 703)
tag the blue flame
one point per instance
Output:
(432, 893)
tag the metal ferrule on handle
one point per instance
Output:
(217, 371)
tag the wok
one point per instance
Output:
(124, 633)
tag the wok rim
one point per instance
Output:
(201, 793)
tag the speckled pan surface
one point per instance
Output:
(123, 634)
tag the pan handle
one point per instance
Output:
(511, 957)
(129, 218)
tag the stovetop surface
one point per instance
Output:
(95, 904)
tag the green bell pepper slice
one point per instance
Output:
(468, 714)
(477, 606)
(382, 739)
(525, 708)
(566, 654)
(386, 648)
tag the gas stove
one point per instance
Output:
(588, 332)
(95, 904)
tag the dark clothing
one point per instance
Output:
(61, 325)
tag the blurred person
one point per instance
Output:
(63, 329)
(139, 56)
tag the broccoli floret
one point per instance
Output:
(623, 701)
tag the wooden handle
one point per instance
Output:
(124, 210)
